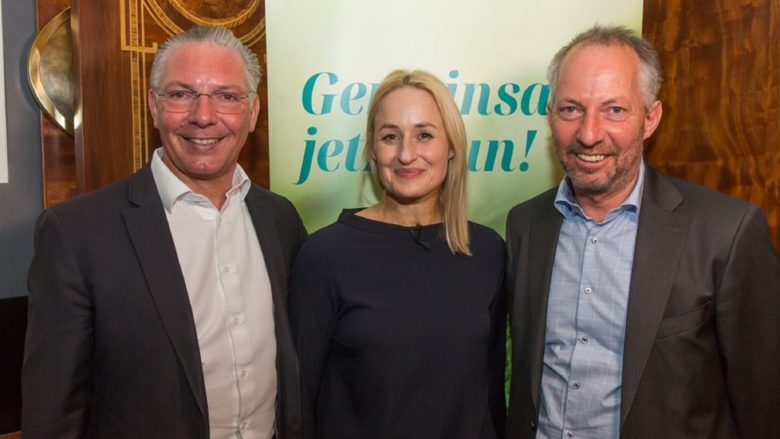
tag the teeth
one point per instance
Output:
(590, 158)
(204, 141)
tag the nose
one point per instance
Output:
(408, 152)
(203, 112)
(590, 132)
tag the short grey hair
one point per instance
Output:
(218, 35)
(650, 75)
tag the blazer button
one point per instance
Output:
(532, 423)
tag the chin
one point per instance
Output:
(406, 198)
(590, 183)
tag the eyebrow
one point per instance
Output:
(417, 125)
(611, 101)
(567, 101)
(190, 87)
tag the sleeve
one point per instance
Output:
(513, 241)
(497, 355)
(509, 233)
(313, 318)
(302, 233)
(56, 375)
(748, 324)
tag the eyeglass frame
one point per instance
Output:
(164, 96)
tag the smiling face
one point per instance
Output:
(410, 147)
(202, 146)
(599, 122)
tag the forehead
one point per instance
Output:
(613, 65)
(409, 101)
(204, 63)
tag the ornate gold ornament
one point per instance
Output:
(50, 71)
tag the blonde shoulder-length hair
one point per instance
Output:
(452, 198)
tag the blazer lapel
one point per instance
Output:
(151, 237)
(660, 241)
(543, 240)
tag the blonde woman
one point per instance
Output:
(398, 309)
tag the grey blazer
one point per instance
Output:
(702, 342)
(111, 348)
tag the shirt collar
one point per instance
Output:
(567, 205)
(173, 190)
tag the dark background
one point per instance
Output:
(21, 201)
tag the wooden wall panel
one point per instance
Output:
(114, 46)
(103, 129)
(721, 96)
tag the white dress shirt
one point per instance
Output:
(230, 295)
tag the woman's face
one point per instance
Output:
(410, 146)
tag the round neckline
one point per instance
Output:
(349, 218)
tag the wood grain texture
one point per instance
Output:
(103, 133)
(721, 96)
(104, 91)
(59, 163)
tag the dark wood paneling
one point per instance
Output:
(101, 151)
(59, 163)
(721, 96)
(13, 323)
(104, 88)
(104, 133)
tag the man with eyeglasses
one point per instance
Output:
(157, 304)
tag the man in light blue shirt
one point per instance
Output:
(642, 305)
(587, 315)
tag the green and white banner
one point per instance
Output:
(325, 60)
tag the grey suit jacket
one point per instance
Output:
(702, 349)
(111, 348)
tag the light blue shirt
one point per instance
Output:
(586, 319)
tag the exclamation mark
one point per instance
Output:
(529, 140)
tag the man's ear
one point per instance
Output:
(255, 113)
(549, 113)
(653, 119)
(151, 100)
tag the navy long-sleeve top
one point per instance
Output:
(396, 336)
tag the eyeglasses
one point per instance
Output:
(182, 101)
